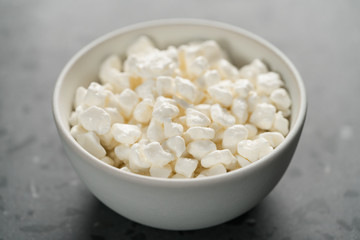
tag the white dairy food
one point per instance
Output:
(183, 112)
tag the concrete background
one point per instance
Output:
(42, 198)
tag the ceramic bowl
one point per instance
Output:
(178, 204)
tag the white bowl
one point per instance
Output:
(179, 204)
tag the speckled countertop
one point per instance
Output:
(41, 197)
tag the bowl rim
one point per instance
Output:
(129, 176)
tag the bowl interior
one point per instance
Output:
(241, 46)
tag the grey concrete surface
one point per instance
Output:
(42, 198)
